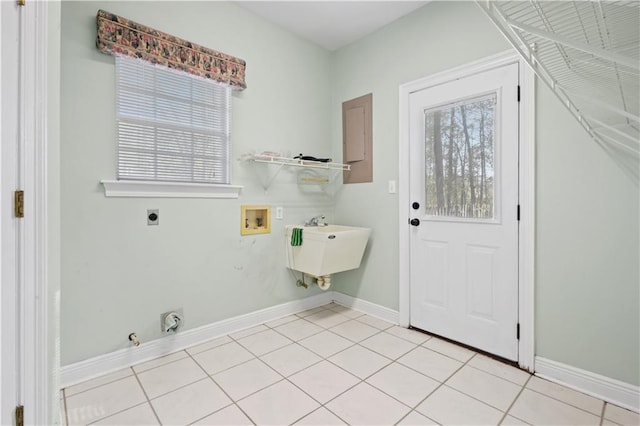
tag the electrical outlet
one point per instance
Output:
(153, 217)
(279, 213)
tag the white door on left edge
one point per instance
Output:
(11, 327)
(464, 197)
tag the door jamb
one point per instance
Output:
(526, 192)
(38, 378)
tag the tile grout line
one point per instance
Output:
(304, 368)
(282, 334)
(506, 413)
(233, 401)
(176, 388)
(444, 382)
(322, 405)
(66, 411)
(321, 355)
(160, 365)
(522, 387)
(529, 375)
(190, 350)
(95, 421)
(481, 401)
(97, 386)
(431, 377)
(317, 409)
(122, 410)
(236, 339)
(565, 402)
(293, 317)
(146, 395)
(323, 328)
(295, 341)
(418, 413)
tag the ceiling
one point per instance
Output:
(331, 24)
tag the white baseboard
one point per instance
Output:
(107, 363)
(368, 308)
(602, 387)
(610, 390)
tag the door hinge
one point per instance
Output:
(19, 415)
(18, 203)
(518, 212)
(21, 2)
(518, 331)
(518, 93)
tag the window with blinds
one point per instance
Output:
(172, 127)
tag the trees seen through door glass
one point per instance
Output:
(459, 166)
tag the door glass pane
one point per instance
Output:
(459, 166)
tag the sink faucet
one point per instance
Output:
(315, 221)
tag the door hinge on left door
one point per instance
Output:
(19, 415)
(18, 203)
(21, 2)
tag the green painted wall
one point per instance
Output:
(587, 277)
(118, 274)
(587, 252)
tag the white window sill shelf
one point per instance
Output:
(136, 188)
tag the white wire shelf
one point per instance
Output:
(588, 54)
(332, 169)
(297, 162)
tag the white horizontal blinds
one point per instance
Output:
(171, 126)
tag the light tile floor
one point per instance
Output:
(330, 366)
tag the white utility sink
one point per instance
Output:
(327, 249)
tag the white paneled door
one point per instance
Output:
(464, 205)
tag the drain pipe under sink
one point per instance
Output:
(324, 282)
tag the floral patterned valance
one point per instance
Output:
(120, 36)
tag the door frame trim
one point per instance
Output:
(34, 388)
(39, 373)
(526, 192)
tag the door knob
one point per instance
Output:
(415, 222)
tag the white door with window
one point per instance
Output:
(464, 198)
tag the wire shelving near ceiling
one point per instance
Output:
(588, 53)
